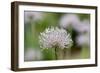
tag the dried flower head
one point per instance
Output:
(55, 37)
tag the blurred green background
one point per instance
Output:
(36, 22)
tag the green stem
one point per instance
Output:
(56, 53)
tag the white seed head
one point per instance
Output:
(69, 20)
(55, 37)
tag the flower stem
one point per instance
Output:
(56, 53)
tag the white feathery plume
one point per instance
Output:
(55, 37)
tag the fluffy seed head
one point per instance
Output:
(55, 37)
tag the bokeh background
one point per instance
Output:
(78, 25)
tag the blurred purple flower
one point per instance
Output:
(69, 20)
(83, 27)
(83, 40)
(32, 54)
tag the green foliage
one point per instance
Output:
(48, 54)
